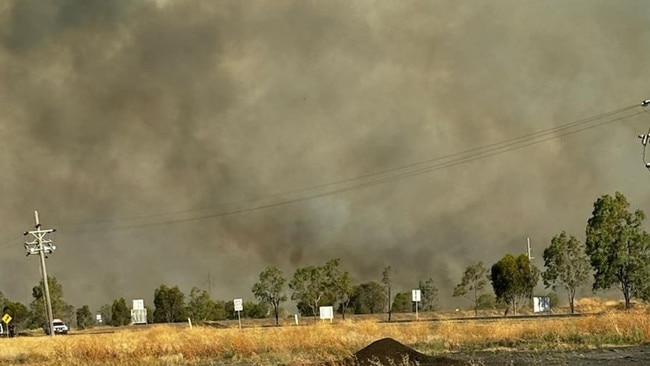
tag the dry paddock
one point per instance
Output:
(471, 340)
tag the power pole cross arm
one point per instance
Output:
(41, 245)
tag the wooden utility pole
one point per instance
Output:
(41, 246)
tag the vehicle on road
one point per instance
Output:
(59, 327)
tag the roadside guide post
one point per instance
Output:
(6, 319)
(416, 297)
(239, 306)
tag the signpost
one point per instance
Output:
(138, 312)
(239, 306)
(6, 319)
(541, 304)
(326, 312)
(416, 298)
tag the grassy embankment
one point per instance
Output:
(172, 345)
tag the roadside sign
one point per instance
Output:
(6, 318)
(138, 304)
(541, 304)
(416, 295)
(239, 305)
(326, 312)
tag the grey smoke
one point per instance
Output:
(118, 109)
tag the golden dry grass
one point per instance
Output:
(173, 345)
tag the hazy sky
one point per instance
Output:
(132, 126)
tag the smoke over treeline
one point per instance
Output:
(115, 110)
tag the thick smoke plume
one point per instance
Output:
(117, 115)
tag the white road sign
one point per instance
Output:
(416, 295)
(239, 305)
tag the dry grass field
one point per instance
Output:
(317, 342)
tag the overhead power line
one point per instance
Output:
(514, 140)
(366, 180)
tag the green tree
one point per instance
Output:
(17, 311)
(200, 306)
(386, 281)
(308, 287)
(338, 287)
(305, 310)
(84, 317)
(473, 282)
(60, 308)
(254, 310)
(402, 303)
(368, 298)
(150, 314)
(553, 299)
(513, 280)
(486, 302)
(120, 313)
(567, 265)
(312, 284)
(428, 294)
(220, 310)
(619, 249)
(105, 311)
(251, 310)
(270, 290)
(229, 308)
(169, 305)
(342, 289)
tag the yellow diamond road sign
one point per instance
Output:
(6, 318)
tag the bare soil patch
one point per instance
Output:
(388, 351)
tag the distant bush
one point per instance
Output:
(554, 299)
(487, 302)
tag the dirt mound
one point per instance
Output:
(389, 352)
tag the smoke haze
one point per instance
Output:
(124, 121)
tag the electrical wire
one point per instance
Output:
(401, 172)
(360, 177)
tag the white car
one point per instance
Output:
(59, 327)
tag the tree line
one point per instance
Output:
(615, 253)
